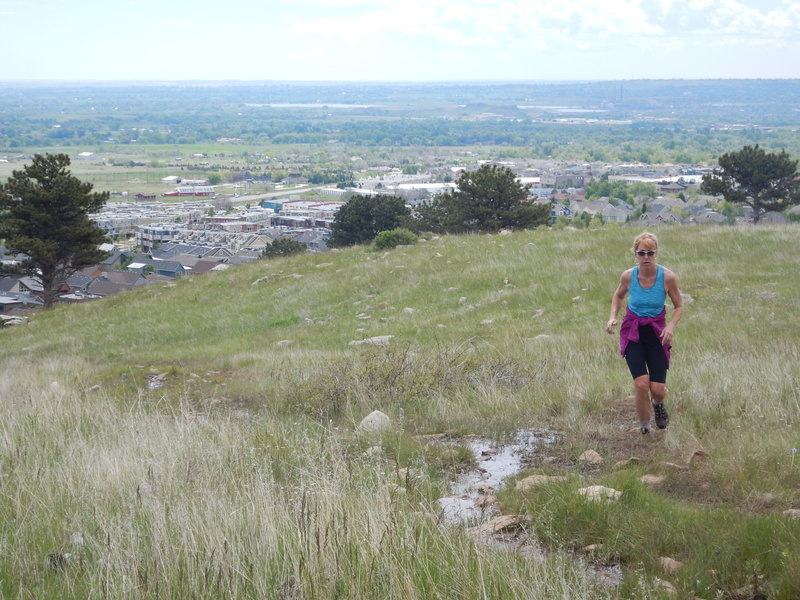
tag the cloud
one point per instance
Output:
(479, 22)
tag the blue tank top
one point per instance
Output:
(647, 302)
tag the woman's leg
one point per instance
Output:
(657, 369)
(641, 388)
(635, 357)
(658, 391)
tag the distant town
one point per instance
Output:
(196, 228)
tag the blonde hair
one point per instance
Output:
(647, 239)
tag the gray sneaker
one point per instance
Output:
(662, 417)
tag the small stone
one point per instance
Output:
(766, 498)
(591, 457)
(652, 479)
(576, 299)
(374, 422)
(536, 480)
(668, 588)
(697, 456)
(669, 565)
(379, 340)
(497, 525)
(484, 501)
(674, 466)
(596, 493)
(10, 320)
(591, 548)
(792, 512)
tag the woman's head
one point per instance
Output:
(645, 241)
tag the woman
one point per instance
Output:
(645, 337)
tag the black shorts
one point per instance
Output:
(647, 356)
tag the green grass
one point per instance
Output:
(242, 476)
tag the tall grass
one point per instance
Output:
(240, 476)
(146, 500)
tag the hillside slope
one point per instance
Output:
(200, 431)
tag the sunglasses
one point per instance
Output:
(645, 252)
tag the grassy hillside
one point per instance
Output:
(196, 439)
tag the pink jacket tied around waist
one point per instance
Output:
(629, 330)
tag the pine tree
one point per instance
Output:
(486, 200)
(764, 181)
(44, 214)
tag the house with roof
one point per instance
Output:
(707, 216)
(202, 266)
(664, 217)
(671, 187)
(78, 283)
(165, 268)
(27, 285)
(12, 300)
(314, 239)
(125, 278)
(616, 214)
(104, 287)
(666, 202)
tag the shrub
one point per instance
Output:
(283, 247)
(393, 238)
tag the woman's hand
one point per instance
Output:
(667, 334)
(610, 325)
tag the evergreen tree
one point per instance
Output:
(764, 181)
(364, 217)
(486, 200)
(44, 214)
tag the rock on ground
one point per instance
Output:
(379, 340)
(374, 422)
(596, 493)
(536, 480)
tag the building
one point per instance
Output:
(191, 190)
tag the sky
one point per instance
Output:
(398, 40)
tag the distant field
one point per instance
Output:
(669, 121)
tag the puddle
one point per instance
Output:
(496, 463)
